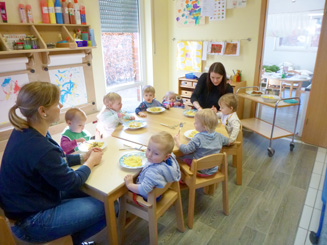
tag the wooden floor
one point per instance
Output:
(266, 209)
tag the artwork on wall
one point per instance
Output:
(189, 55)
(236, 4)
(232, 48)
(71, 82)
(10, 86)
(219, 10)
(189, 12)
(216, 48)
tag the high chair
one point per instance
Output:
(8, 238)
(190, 178)
(236, 150)
(151, 210)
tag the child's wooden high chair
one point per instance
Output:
(151, 210)
(190, 178)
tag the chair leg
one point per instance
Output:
(153, 226)
(239, 158)
(210, 189)
(191, 203)
(225, 198)
(179, 211)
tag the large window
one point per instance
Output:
(121, 39)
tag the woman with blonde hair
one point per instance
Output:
(38, 189)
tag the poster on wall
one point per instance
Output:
(216, 48)
(236, 4)
(189, 56)
(219, 10)
(10, 86)
(71, 82)
(232, 48)
(189, 13)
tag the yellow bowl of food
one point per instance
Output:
(270, 98)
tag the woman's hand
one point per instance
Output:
(94, 158)
(197, 105)
(214, 109)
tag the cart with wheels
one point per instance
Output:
(268, 130)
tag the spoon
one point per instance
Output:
(180, 127)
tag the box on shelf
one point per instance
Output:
(190, 76)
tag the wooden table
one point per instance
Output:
(106, 182)
(294, 81)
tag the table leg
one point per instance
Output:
(298, 89)
(291, 90)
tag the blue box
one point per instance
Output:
(190, 76)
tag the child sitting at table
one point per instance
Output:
(173, 100)
(149, 101)
(111, 115)
(160, 169)
(75, 133)
(204, 143)
(228, 115)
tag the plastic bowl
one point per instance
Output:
(270, 98)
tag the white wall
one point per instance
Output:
(304, 60)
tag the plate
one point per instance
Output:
(84, 147)
(189, 112)
(190, 133)
(134, 124)
(254, 93)
(141, 155)
(270, 98)
(155, 110)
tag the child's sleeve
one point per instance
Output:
(67, 145)
(191, 147)
(236, 125)
(140, 108)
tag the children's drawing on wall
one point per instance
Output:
(72, 85)
(232, 48)
(189, 12)
(236, 4)
(216, 48)
(10, 86)
(189, 55)
(219, 10)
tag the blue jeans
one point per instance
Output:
(79, 217)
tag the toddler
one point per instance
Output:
(228, 116)
(161, 168)
(75, 133)
(204, 143)
(149, 101)
(111, 115)
(173, 100)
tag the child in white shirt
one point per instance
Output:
(228, 116)
(111, 115)
(173, 100)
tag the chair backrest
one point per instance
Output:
(208, 162)
(156, 192)
(273, 82)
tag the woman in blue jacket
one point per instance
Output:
(38, 189)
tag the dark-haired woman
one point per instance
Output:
(210, 87)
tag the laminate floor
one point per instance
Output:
(266, 209)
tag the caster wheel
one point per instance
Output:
(271, 151)
(291, 146)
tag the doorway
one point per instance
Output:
(290, 44)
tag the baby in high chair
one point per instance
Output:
(173, 100)
(149, 101)
(228, 116)
(111, 115)
(161, 168)
(75, 133)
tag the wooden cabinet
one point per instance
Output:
(186, 87)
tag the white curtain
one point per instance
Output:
(286, 24)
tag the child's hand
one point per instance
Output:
(128, 179)
(132, 118)
(80, 140)
(177, 103)
(176, 137)
(214, 109)
(142, 114)
(167, 107)
(120, 115)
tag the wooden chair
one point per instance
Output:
(189, 176)
(276, 84)
(151, 210)
(236, 150)
(8, 238)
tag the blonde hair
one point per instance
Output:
(165, 140)
(73, 113)
(110, 98)
(30, 97)
(168, 94)
(230, 100)
(149, 89)
(208, 119)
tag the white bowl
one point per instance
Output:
(270, 98)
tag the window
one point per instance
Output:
(305, 38)
(121, 39)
